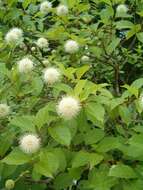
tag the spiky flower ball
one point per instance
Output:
(46, 62)
(45, 7)
(62, 10)
(25, 65)
(9, 184)
(33, 48)
(42, 43)
(14, 36)
(29, 143)
(85, 58)
(68, 107)
(71, 46)
(4, 110)
(122, 9)
(51, 75)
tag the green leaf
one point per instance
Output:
(122, 171)
(135, 29)
(79, 87)
(47, 165)
(25, 123)
(124, 24)
(140, 36)
(43, 116)
(95, 112)
(61, 134)
(107, 144)
(98, 179)
(83, 158)
(112, 46)
(81, 71)
(16, 157)
(6, 141)
(125, 114)
(92, 136)
(37, 85)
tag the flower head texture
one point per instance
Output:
(45, 7)
(25, 65)
(122, 9)
(46, 62)
(85, 58)
(15, 35)
(42, 43)
(62, 10)
(71, 46)
(51, 75)
(68, 107)
(29, 143)
(9, 184)
(4, 110)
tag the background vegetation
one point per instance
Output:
(102, 147)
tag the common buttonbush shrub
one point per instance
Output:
(71, 94)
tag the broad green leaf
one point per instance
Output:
(112, 46)
(95, 111)
(140, 36)
(124, 24)
(16, 157)
(61, 134)
(47, 165)
(125, 114)
(122, 171)
(94, 135)
(81, 71)
(25, 123)
(135, 29)
(83, 158)
(108, 143)
(79, 87)
(43, 116)
(6, 141)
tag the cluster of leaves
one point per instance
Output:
(101, 148)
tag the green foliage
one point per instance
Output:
(98, 146)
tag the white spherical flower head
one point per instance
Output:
(15, 35)
(62, 10)
(30, 143)
(45, 7)
(85, 58)
(122, 9)
(51, 75)
(25, 65)
(42, 43)
(46, 62)
(33, 48)
(68, 107)
(4, 110)
(71, 46)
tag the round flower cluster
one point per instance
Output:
(14, 36)
(46, 62)
(62, 10)
(42, 43)
(25, 65)
(68, 107)
(122, 9)
(71, 46)
(9, 184)
(51, 75)
(45, 7)
(85, 58)
(4, 110)
(30, 143)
